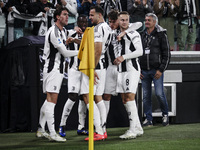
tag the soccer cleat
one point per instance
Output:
(165, 120)
(139, 132)
(147, 123)
(62, 131)
(42, 134)
(97, 137)
(82, 132)
(105, 135)
(128, 135)
(57, 138)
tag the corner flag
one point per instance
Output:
(87, 66)
(86, 51)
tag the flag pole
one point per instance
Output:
(91, 109)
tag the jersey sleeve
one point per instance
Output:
(98, 35)
(56, 39)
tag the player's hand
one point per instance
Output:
(46, 9)
(69, 40)
(119, 37)
(95, 78)
(118, 60)
(78, 30)
(141, 76)
(157, 75)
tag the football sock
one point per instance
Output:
(131, 114)
(97, 120)
(138, 124)
(107, 105)
(103, 114)
(49, 115)
(66, 111)
(81, 114)
(42, 120)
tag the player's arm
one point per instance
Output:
(67, 53)
(98, 50)
(58, 43)
(73, 40)
(135, 54)
(132, 26)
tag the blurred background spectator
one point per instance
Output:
(83, 7)
(166, 11)
(188, 15)
(71, 5)
(37, 7)
(137, 10)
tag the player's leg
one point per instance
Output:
(81, 117)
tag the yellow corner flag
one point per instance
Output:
(86, 51)
(87, 65)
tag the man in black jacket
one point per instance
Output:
(153, 63)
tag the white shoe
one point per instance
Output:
(42, 134)
(139, 130)
(128, 135)
(56, 137)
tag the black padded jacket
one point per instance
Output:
(159, 56)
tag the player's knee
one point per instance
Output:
(106, 97)
(73, 96)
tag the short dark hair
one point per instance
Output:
(98, 9)
(83, 16)
(58, 12)
(123, 13)
(113, 14)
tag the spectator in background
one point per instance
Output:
(153, 63)
(111, 4)
(83, 7)
(187, 22)
(137, 10)
(37, 7)
(71, 5)
(166, 10)
(21, 6)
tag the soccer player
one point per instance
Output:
(101, 39)
(129, 48)
(111, 53)
(74, 81)
(54, 53)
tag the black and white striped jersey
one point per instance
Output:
(130, 47)
(102, 33)
(54, 60)
(74, 61)
(112, 52)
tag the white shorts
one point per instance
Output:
(99, 88)
(111, 80)
(74, 80)
(52, 82)
(127, 82)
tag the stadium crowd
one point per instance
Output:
(180, 18)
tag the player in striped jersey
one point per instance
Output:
(101, 41)
(54, 53)
(74, 80)
(129, 48)
(111, 53)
